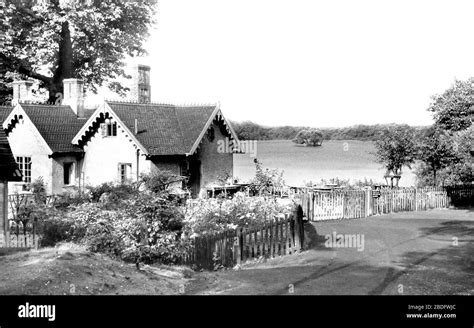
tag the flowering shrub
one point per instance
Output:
(218, 214)
(143, 228)
(265, 179)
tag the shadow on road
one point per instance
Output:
(450, 229)
(313, 240)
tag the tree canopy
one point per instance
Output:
(396, 148)
(453, 109)
(310, 137)
(437, 151)
(55, 39)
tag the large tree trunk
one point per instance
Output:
(64, 64)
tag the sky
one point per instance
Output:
(311, 63)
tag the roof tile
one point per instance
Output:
(164, 129)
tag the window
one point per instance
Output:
(68, 169)
(112, 129)
(125, 172)
(144, 95)
(109, 128)
(24, 164)
(143, 75)
(183, 169)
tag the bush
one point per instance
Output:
(115, 191)
(265, 179)
(101, 237)
(56, 226)
(207, 216)
(144, 228)
(159, 180)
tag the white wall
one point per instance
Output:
(25, 142)
(103, 154)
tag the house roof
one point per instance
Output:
(56, 124)
(165, 129)
(8, 167)
(4, 111)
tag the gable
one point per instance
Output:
(57, 125)
(162, 130)
(8, 167)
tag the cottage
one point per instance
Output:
(40, 138)
(69, 146)
(8, 172)
(123, 140)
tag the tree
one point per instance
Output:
(309, 137)
(396, 148)
(88, 39)
(453, 110)
(437, 151)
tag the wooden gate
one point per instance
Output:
(282, 236)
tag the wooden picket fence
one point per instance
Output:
(353, 204)
(410, 199)
(282, 236)
(334, 205)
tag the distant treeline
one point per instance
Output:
(252, 131)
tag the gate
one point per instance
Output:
(21, 229)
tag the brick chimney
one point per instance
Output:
(22, 91)
(74, 95)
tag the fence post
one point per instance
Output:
(239, 246)
(4, 214)
(368, 201)
(299, 232)
(416, 200)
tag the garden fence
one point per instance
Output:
(282, 236)
(353, 204)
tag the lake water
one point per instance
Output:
(335, 158)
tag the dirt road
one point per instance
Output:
(428, 253)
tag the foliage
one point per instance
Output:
(436, 151)
(265, 179)
(396, 148)
(208, 216)
(446, 159)
(141, 228)
(159, 180)
(311, 137)
(453, 108)
(38, 188)
(114, 191)
(252, 131)
(346, 183)
(52, 40)
(56, 227)
(224, 178)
